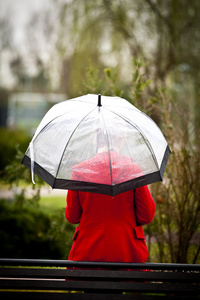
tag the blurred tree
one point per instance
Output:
(80, 45)
(26, 82)
(69, 36)
(19, 70)
(177, 23)
(6, 32)
(39, 81)
(40, 34)
(6, 36)
(4, 94)
(108, 33)
(177, 222)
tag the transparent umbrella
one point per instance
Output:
(97, 144)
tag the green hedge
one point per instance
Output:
(29, 232)
(9, 139)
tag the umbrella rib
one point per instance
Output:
(108, 146)
(69, 141)
(142, 134)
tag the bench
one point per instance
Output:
(49, 279)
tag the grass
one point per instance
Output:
(52, 203)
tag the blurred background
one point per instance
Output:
(146, 51)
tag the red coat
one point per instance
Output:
(110, 227)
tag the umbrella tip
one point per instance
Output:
(99, 100)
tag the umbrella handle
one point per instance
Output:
(32, 162)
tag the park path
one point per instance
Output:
(6, 193)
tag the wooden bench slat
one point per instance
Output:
(76, 296)
(84, 264)
(96, 285)
(98, 274)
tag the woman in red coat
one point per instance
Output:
(110, 228)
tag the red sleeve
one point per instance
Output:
(73, 209)
(144, 206)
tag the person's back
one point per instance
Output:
(110, 227)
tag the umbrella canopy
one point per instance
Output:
(97, 144)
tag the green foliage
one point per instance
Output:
(27, 229)
(16, 174)
(94, 82)
(105, 82)
(31, 233)
(10, 141)
(139, 81)
(177, 220)
(61, 231)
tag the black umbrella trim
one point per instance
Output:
(38, 170)
(95, 187)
